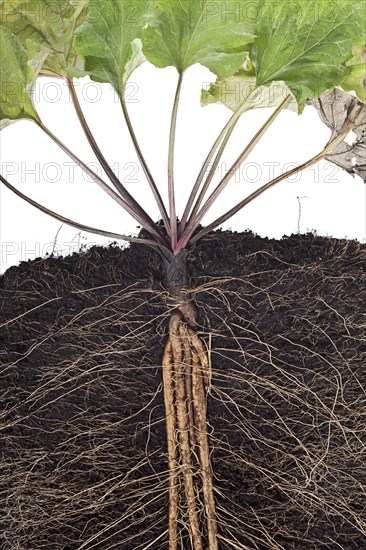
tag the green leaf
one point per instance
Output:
(19, 69)
(109, 40)
(355, 77)
(306, 43)
(181, 33)
(48, 23)
(240, 93)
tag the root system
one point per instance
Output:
(84, 447)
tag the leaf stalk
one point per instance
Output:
(144, 221)
(320, 156)
(75, 224)
(225, 133)
(98, 153)
(192, 226)
(171, 190)
(150, 179)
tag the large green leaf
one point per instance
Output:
(19, 69)
(181, 33)
(302, 46)
(109, 40)
(48, 23)
(355, 77)
(306, 43)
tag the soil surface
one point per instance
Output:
(83, 452)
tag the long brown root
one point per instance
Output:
(185, 372)
(171, 423)
(184, 441)
(199, 360)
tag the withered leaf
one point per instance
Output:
(337, 109)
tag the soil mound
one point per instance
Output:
(82, 418)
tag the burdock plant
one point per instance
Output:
(274, 53)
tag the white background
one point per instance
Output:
(332, 202)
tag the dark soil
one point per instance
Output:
(82, 419)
